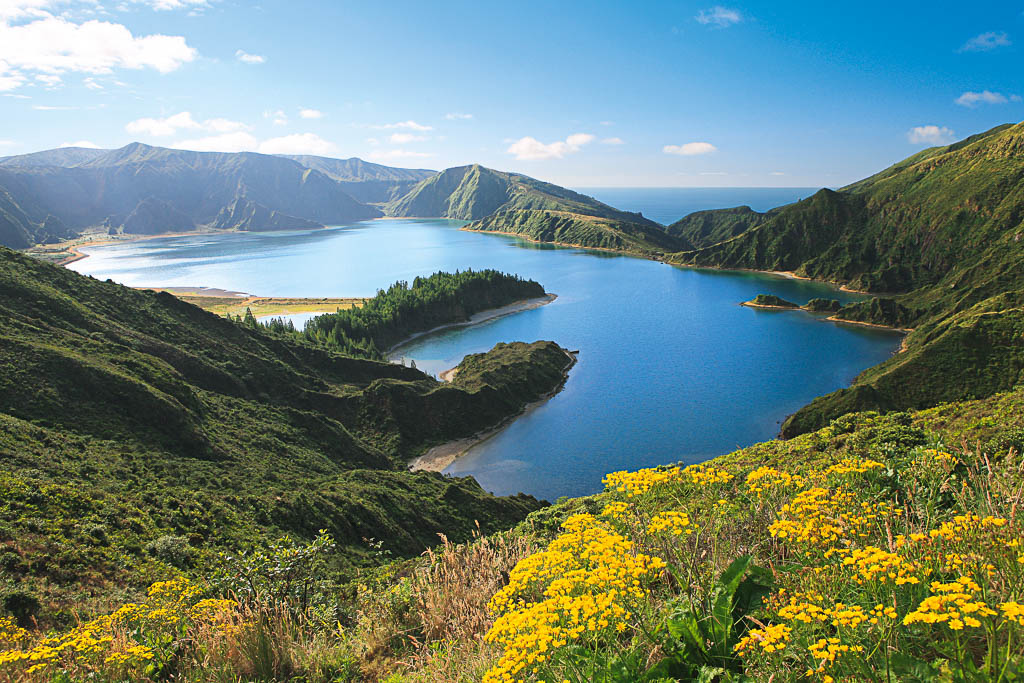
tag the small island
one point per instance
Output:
(770, 301)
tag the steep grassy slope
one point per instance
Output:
(940, 233)
(516, 204)
(705, 228)
(878, 548)
(130, 417)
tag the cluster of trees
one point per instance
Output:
(403, 309)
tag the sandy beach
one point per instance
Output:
(440, 457)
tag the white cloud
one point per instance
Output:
(163, 5)
(612, 141)
(228, 142)
(182, 121)
(932, 135)
(410, 125)
(973, 99)
(80, 143)
(529, 148)
(242, 141)
(455, 116)
(243, 56)
(404, 138)
(20, 9)
(776, 173)
(91, 84)
(373, 141)
(607, 123)
(299, 143)
(6, 143)
(690, 149)
(719, 16)
(713, 173)
(54, 45)
(311, 114)
(399, 154)
(985, 42)
(51, 107)
(160, 127)
(278, 116)
(48, 80)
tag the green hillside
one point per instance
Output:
(142, 434)
(705, 228)
(938, 237)
(519, 205)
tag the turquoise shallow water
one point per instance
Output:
(670, 367)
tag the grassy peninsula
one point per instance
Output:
(404, 310)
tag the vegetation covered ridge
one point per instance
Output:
(515, 204)
(141, 437)
(882, 547)
(405, 309)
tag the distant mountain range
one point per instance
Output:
(61, 193)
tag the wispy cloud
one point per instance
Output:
(51, 107)
(930, 135)
(399, 154)
(409, 125)
(531, 149)
(986, 42)
(299, 143)
(973, 99)
(456, 116)
(181, 121)
(164, 5)
(243, 56)
(612, 141)
(690, 149)
(311, 114)
(718, 16)
(80, 143)
(278, 117)
(404, 138)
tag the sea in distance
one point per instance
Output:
(671, 368)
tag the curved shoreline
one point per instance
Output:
(477, 318)
(438, 458)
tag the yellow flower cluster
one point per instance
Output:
(819, 517)
(769, 639)
(953, 604)
(964, 527)
(765, 479)
(586, 583)
(640, 482)
(103, 640)
(705, 475)
(615, 510)
(828, 650)
(853, 466)
(938, 456)
(10, 632)
(875, 565)
(1013, 611)
(675, 523)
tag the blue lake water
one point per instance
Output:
(670, 368)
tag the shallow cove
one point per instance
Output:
(670, 366)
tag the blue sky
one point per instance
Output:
(581, 94)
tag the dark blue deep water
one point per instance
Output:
(670, 368)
